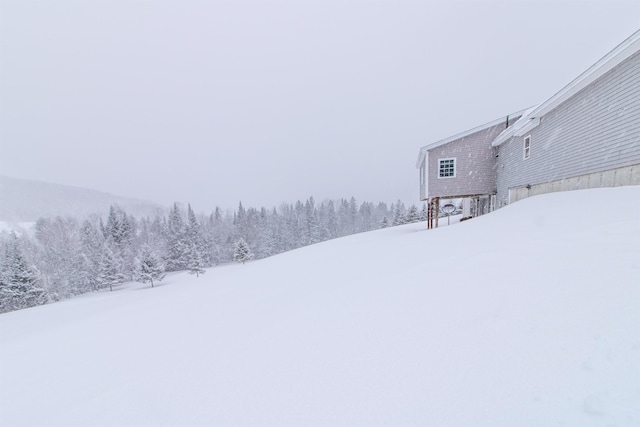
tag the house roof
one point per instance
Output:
(531, 118)
(519, 124)
(461, 135)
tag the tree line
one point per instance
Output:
(64, 257)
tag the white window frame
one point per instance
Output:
(526, 147)
(441, 161)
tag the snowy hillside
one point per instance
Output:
(24, 201)
(525, 317)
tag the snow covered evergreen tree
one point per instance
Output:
(196, 254)
(195, 261)
(119, 227)
(18, 281)
(149, 267)
(241, 251)
(108, 271)
(332, 220)
(120, 233)
(365, 217)
(176, 240)
(59, 256)
(311, 229)
(413, 215)
(424, 215)
(91, 243)
(399, 214)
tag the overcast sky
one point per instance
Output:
(213, 102)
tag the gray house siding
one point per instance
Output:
(598, 129)
(475, 165)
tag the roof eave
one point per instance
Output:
(421, 156)
(470, 132)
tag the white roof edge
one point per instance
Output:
(421, 156)
(531, 123)
(531, 119)
(511, 130)
(460, 135)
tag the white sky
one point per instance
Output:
(213, 102)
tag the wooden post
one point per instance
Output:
(432, 212)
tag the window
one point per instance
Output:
(446, 168)
(527, 147)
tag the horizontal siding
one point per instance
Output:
(475, 165)
(596, 130)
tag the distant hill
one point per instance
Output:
(24, 201)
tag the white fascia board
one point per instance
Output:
(421, 157)
(509, 132)
(467, 133)
(504, 136)
(531, 124)
(426, 174)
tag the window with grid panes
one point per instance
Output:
(446, 168)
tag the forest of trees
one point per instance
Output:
(64, 257)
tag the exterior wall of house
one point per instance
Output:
(627, 175)
(475, 165)
(596, 130)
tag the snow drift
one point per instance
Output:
(528, 316)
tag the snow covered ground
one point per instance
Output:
(529, 316)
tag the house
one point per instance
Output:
(587, 135)
(462, 166)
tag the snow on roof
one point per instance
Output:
(511, 130)
(461, 135)
(531, 119)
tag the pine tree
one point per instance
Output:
(149, 266)
(91, 243)
(311, 230)
(195, 262)
(399, 214)
(196, 251)
(108, 272)
(423, 213)
(119, 226)
(120, 233)
(384, 223)
(365, 215)
(176, 241)
(413, 215)
(353, 214)
(332, 221)
(241, 252)
(59, 256)
(18, 281)
(196, 236)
